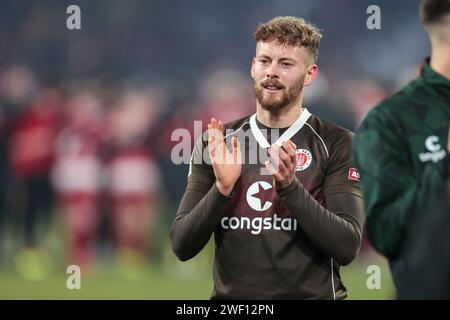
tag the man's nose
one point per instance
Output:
(272, 71)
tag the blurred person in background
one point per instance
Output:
(224, 94)
(133, 177)
(30, 152)
(401, 151)
(77, 174)
(283, 234)
(181, 116)
(361, 96)
(18, 88)
(328, 101)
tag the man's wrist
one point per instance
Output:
(287, 189)
(225, 191)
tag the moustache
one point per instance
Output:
(272, 83)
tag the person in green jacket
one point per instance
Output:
(401, 151)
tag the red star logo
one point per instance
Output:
(263, 195)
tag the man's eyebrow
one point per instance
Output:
(288, 59)
(264, 56)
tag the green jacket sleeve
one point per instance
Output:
(393, 194)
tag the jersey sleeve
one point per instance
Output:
(336, 228)
(201, 175)
(341, 175)
(200, 209)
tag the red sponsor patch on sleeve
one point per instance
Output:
(353, 174)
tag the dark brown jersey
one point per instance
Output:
(276, 244)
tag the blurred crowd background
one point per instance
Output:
(86, 118)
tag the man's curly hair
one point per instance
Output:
(291, 31)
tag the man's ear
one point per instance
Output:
(252, 70)
(311, 74)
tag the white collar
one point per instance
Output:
(289, 133)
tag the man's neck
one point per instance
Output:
(440, 61)
(281, 119)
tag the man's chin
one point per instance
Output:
(272, 102)
(272, 105)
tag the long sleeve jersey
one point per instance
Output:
(276, 244)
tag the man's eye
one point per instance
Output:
(264, 61)
(285, 64)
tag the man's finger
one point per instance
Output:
(236, 149)
(286, 162)
(280, 166)
(292, 144)
(289, 149)
(291, 153)
(211, 129)
(274, 156)
(212, 147)
(215, 128)
(289, 146)
(270, 168)
(283, 155)
(276, 174)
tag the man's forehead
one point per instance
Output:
(276, 48)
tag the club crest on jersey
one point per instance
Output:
(304, 158)
(353, 174)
